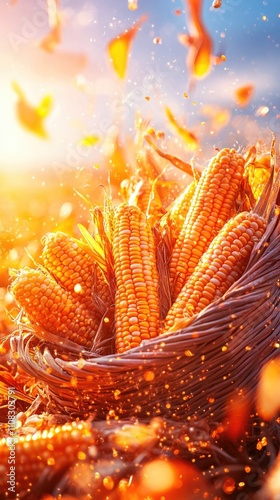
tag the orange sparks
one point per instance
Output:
(30, 117)
(268, 395)
(199, 41)
(168, 479)
(189, 138)
(243, 95)
(119, 47)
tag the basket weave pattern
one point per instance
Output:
(191, 372)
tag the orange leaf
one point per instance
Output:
(199, 58)
(32, 117)
(189, 138)
(119, 47)
(53, 39)
(243, 95)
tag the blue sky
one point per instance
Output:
(89, 98)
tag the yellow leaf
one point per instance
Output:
(45, 106)
(90, 140)
(32, 117)
(95, 248)
(119, 47)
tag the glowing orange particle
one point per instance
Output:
(229, 486)
(268, 395)
(243, 95)
(149, 376)
(158, 476)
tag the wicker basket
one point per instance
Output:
(191, 372)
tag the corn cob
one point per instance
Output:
(221, 265)
(210, 208)
(29, 456)
(74, 269)
(137, 303)
(51, 307)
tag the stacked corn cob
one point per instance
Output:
(61, 296)
(137, 302)
(210, 247)
(40, 450)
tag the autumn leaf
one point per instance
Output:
(119, 47)
(32, 117)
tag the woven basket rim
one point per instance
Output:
(225, 324)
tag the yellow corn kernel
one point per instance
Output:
(221, 265)
(210, 208)
(74, 269)
(55, 447)
(137, 302)
(49, 306)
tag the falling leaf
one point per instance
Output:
(189, 138)
(199, 42)
(53, 39)
(219, 117)
(89, 140)
(268, 394)
(53, 14)
(119, 47)
(243, 95)
(44, 107)
(30, 117)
